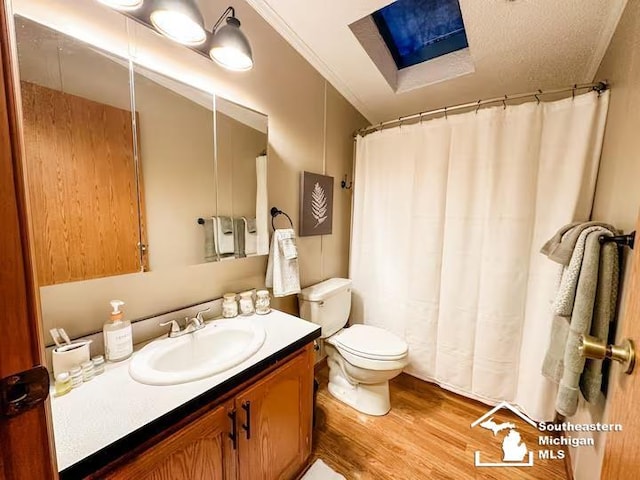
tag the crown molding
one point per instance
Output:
(604, 39)
(282, 27)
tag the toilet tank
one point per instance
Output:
(327, 304)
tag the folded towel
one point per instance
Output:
(560, 247)
(209, 240)
(238, 237)
(250, 238)
(565, 297)
(226, 225)
(282, 273)
(251, 225)
(224, 241)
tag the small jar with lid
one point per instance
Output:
(98, 364)
(76, 377)
(87, 370)
(246, 303)
(263, 302)
(63, 384)
(229, 305)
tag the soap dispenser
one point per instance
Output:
(118, 339)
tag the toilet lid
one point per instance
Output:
(370, 342)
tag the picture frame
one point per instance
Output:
(316, 204)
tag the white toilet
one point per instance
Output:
(362, 359)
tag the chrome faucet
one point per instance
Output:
(191, 325)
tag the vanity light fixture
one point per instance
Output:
(179, 20)
(123, 4)
(229, 47)
(182, 22)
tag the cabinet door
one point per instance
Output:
(200, 451)
(274, 418)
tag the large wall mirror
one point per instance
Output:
(80, 157)
(131, 171)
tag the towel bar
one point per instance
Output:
(622, 240)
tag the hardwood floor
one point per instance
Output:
(427, 435)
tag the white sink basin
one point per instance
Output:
(219, 346)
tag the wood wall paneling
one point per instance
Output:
(82, 186)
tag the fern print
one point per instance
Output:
(318, 204)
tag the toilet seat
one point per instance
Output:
(370, 347)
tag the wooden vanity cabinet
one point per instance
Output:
(276, 420)
(273, 423)
(199, 451)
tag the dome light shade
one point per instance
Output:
(230, 48)
(122, 4)
(179, 20)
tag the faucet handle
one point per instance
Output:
(175, 326)
(199, 314)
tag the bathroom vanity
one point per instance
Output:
(251, 421)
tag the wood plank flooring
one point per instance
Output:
(427, 435)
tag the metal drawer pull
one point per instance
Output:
(246, 406)
(234, 432)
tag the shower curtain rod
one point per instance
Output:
(596, 86)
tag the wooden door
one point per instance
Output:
(200, 451)
(275, 417)
(25, 442)
(622, 450)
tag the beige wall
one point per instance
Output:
(178, 174)
(299, 103)
(238, 146)
(617, 199)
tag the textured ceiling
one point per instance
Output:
(516, 46)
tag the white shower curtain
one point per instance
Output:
(449, 217)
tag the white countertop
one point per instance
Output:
(112, 405)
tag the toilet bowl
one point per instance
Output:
(361, 358)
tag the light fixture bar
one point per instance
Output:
(182, 21)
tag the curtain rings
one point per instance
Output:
(573, 91)
(445, 113)
(537, 97)
(504, 102)
(478, 107)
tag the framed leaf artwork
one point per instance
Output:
(316, 204)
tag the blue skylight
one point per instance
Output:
(419, 30)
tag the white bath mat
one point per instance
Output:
(321, 471)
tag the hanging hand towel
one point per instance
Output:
(224, 235)
(239, 238)
(592, 309)
(209, 240)
(282, 273)
(561, 246)
(250, 235)
(563, 305)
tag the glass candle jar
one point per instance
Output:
(98, 364)
(246, 303)
(76, 377)
(229, 305)
(87, 371)
(263, 302)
